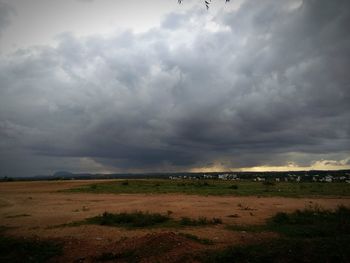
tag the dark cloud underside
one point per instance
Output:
(270, 82)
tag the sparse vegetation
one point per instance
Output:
(309, 235)
(312, 222)
(234, 187)
(201, 221)
(16, 216)
(268, 183)
(284, 250)
(139, 219)
(244, 207)
(233, 216)
(218, 187)
(27, 250)
(134, 219)
(307, 223)
(125, 183)
(203, 241)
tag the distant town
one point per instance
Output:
(332, 176)
(313, 176)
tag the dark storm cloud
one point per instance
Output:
(269, 85)
(6, 11)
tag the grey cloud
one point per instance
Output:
(269, 90)
(174, 20)
(6, 11)
(86, 1)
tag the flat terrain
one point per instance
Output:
(41, 208)
(217, 187)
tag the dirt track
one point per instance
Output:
(32, 208)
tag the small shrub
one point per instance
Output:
(186, 221)
(16, 216)
(202, 220)
(233, 216)
(234, 187)
(203, 241)
(135, 219)
(169, 212)
(216, 221)
(280, 218)
(246, 208)
(125, 183)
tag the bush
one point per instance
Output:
(280, 218)
(135, 219)
(186, 221)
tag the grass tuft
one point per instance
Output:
(217, 187)
(16, 216)
(201, 221)
(203, 241)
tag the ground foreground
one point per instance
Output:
(43, 211)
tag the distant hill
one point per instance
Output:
(62, 174)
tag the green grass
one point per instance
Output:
(307, 223)
(314, 222)
(139, 219)
(216, 187)
(310, 235)
(27, 250)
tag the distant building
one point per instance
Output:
(259, 179)
(328, 179)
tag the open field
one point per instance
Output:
(217, 187)
(46, 211)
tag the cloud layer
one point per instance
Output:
(266, 84)
(6, 11)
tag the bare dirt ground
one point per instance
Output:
(34, 208)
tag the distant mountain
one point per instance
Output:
(62, 174)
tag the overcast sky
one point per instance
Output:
(140, 86)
